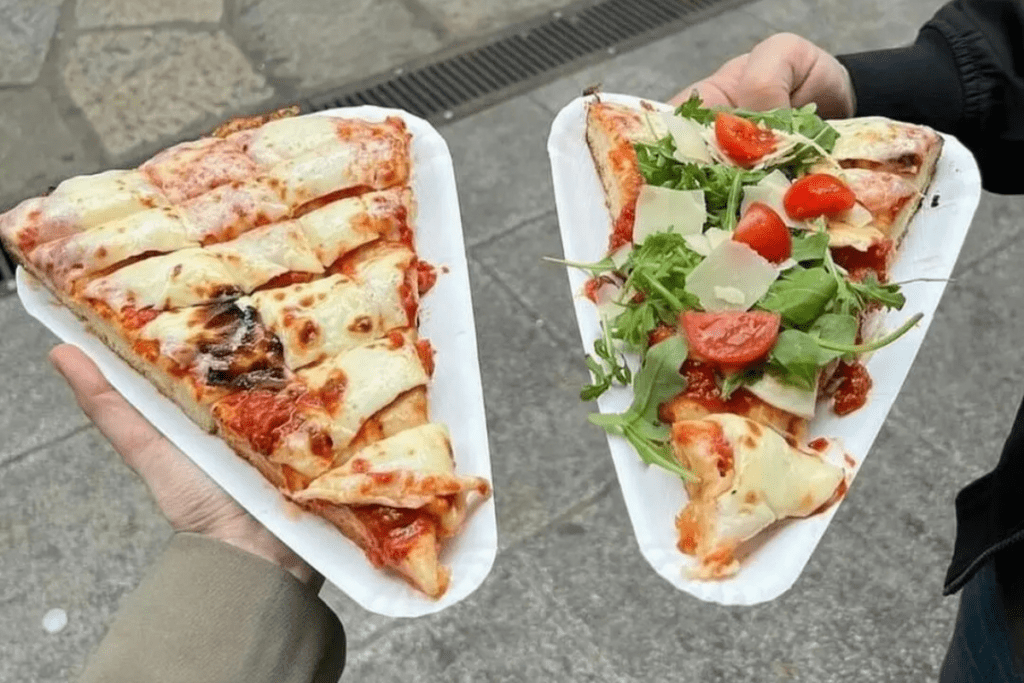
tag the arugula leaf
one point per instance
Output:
(693, 109)
(607, 368)
(871, 290)
(657, 381)
(803, 121)
(731, 383)
(721, 184)
(809, 246)
(797, 357)
(800, 295)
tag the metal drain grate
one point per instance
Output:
(468, 78)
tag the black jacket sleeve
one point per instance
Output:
(964, 75)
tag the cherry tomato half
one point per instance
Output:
(817, 194)
(742, 140)
(761, 229)
(731, 340)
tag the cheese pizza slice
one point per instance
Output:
(397, 499)
(266, 279)
(748, 478)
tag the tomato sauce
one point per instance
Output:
(819, 444)
(853, 389)
(702, 387)
(860, 263)
(426, 354)
(133, 318)
(622, 231)
(395, 530)
(259, 416)
(426, 277)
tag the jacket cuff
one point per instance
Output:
(207, 611)
(916, 83)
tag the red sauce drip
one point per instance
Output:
(853, 391)
(286, 279)
(426, 277)
(426, 354)
(819, 444)
(133, 318)
(622, 232)
(591, 288)
(860, 263)
(410, 301)
(660, 334)
(702, 387)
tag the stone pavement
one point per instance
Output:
(570, 598)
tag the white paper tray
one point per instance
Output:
(455, 395)
(653, 496)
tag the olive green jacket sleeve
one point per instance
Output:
(210, 612)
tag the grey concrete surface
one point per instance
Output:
(87, 84)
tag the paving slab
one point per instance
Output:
(77, 531)
(501, 167)
(967, 382)
(37, 149)
(998, 223)
(105, 13)
(661, 69)
(867, 607)
(516, 259)
(140, 87)
(317, 43)
(36, 406)
(545, 457)
(514, 628)
(26, 28)
(465, 18)
(840, 26)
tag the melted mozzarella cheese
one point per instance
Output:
(181, 278)
(287, 138)
(732, 277)
(332, 315)
(153, 230)
(338, 228)
(92, 200)
(370, 377)
(229, 210)
(419, 466)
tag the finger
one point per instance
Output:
(131, 434)
(776, 66)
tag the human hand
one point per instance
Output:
(189, 499)
(783, 70)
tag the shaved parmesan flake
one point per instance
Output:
(655, 124)
(716, 236)
(689, 138)
(731, 269)
(855, 217)
(785, 396)
(699, 243)
(771, 190)
(861, 239)
(620, 255)
(731, 295)
(660, 209)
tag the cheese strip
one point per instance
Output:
(192, 168)
(154, 230)
(328, 316)
(204, 275)
(407, 470)
(341, 226)
(77, 204)
(748, 478)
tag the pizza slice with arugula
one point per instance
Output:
(747, 253)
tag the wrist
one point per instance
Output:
(253, 538)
